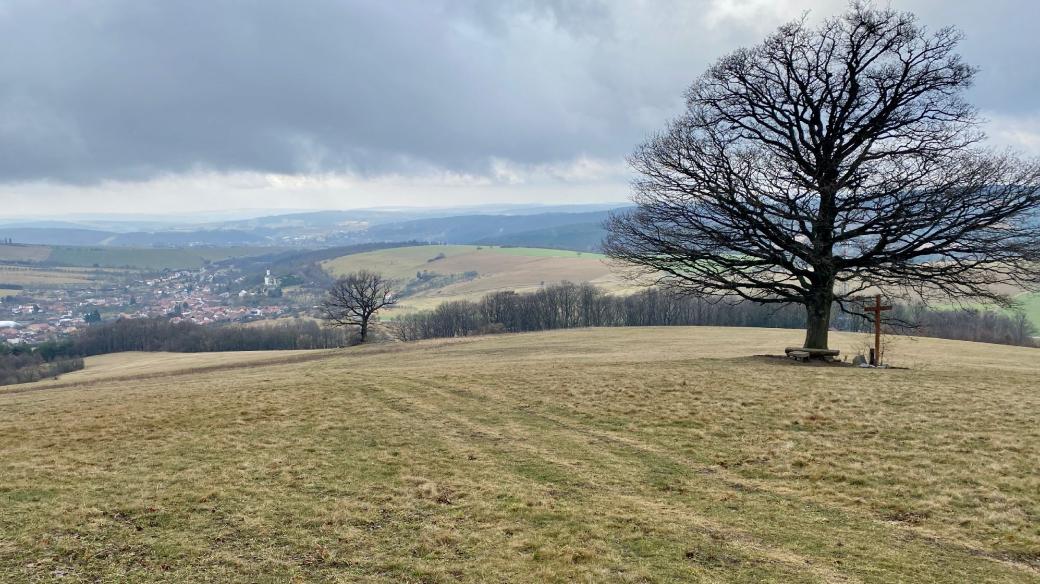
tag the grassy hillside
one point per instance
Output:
(138, 365)
(498, 268)
(22, 275)
(609, 455)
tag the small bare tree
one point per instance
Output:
(355, 298)
(842, 154)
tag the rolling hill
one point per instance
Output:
(596, 455)
(90, 237)
(469, 229)
(56, 235)
(573, 236)
(495, 268)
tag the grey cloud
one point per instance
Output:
(123, 89)
(1000, 39)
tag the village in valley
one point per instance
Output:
(210, 295)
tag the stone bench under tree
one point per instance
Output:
(806, 353)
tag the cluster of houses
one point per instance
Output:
(36, 321)
(200, 296)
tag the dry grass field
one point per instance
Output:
(500, 268)
(597, 455)
(24, 253)
(135, 365)
(34, 276)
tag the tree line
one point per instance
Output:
(25, 364)
(966, 324)
(568, 305)
(21, 364)
(160, 334)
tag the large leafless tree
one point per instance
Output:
(355, 298)
(838, 154)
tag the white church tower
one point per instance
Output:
(270, 281)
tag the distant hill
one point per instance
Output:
(55, 235)
(576, 236)
(70, 236)
(468, 229)
(467, 272)
(190, 238)
(317, 220)
(352, 218)
(564, 226)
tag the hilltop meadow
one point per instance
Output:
(599, 455)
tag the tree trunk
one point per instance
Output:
(364, 330)
(817, 322)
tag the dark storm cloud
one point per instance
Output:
(125, 89)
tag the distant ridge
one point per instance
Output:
(575, 227)
(573, 236)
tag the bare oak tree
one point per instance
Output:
(355, 298)
(840, 154)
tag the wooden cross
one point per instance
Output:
(876, 309)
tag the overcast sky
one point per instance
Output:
(153, 107)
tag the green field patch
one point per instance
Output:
(1030, 304)
(149, 258)
(1027, 303)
